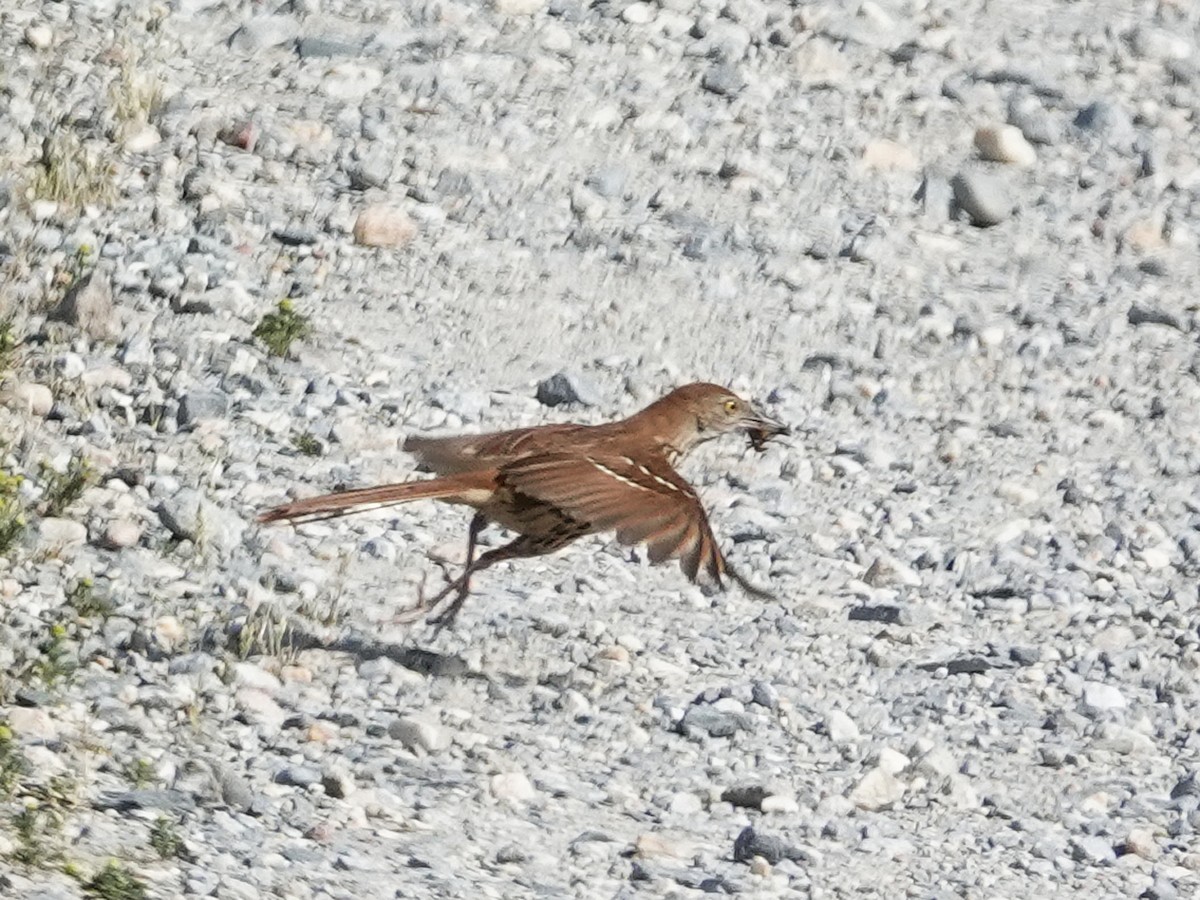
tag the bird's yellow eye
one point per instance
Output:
(731, 405)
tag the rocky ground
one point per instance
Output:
(954, 245)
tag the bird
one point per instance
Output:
(552, 484)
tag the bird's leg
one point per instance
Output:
(522, 548)
(478, 523)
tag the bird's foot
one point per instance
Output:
(426, 605)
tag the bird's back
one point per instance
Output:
(665, 427)
(472, 452)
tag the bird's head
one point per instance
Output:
(709, 411)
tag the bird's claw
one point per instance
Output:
(427, 605)
(418, 612)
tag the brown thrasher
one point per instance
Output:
(552, 484)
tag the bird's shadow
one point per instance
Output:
(363, 647)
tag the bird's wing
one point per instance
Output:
(643, 501)
(471, 452)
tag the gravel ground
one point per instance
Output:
(953, 244)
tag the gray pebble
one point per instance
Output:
(184, 514)
(197, 407)
(562, 388)
(1106, 120)
(706, 720)
(88, 305)
(723, 80)
(1092, 849)
(984, 198)
(298, 776)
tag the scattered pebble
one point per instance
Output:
(419, 735)
(382, 226)
(878, 789)
(34, 399)
(39, 36)
(984, 198)
(1006, 144)
(514, 787)
(981, 536)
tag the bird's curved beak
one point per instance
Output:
(760, 428)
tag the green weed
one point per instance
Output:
(278, 330)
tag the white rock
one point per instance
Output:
(169, 631)
(1010, 531)
(142, 139)
(514, 787)
(70, 366)
(1156, 557)
(820, 63)
(32, 723)
(383, 226)
(1099, 697)
(685, 803)
(35, 399)
(419, 735)
(518, 7)
(659, 846)
(121, 534)
(42, 210)
(631, 642)
(61, 532)
(259, 708)
(878, 789)
(1017, 493)
(1141, 842)
(780, 803)
(889, 156)
(39, 36)
(1006, 144)
(957, 789)
(556, 39)
(887, 571)
(841, 728)
(108, 376)
(638, 13)
(891, 761)
(937, 762)
(350, 81)
(249, 675)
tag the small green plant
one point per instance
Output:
(141, 773)
(279, 329)
(69, 174)
(115, 882)
(69, 273)
(9, 341)
(36, 828)
(165, 839)
(56, 659)
(60, 792)
(307, 444)
(87, 601)
(12, 511)
(64, 488)
(13, 764)
(266, 632)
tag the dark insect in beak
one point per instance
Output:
(761, 429)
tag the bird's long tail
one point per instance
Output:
(470, 488)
